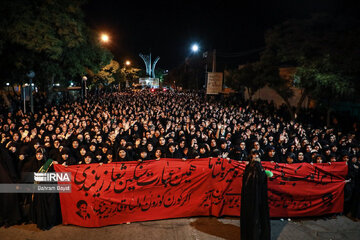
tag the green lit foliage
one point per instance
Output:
(49, 37)
(107, 74)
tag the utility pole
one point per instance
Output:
(31, 75)
(214, 61)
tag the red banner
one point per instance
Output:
(169, 188)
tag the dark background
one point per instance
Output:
(169, 28)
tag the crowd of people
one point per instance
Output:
(141, 126)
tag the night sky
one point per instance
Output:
(169, 29)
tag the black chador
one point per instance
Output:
(255, 221)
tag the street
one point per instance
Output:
(199, 228)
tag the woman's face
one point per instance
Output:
(300, 156)
(39, 156)
(158, 153)
(82, 151)
(162, 141)
(122, 154)
(88, 159)
(16, 137)
(36, 145)
(172, 149)
(271, 153)
(150, 147)
(75, 144)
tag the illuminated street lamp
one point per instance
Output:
(195, 48)
(105, 38)
(127, 64)
(83, 92)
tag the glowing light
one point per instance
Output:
(195, 47)
(104, 37)
(7, 84)
(127, 63)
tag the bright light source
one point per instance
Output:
(195, 48)
(7, 84)
(152, 90)
(164, 89)
(127, 63)
(104, 37)
(71, 84)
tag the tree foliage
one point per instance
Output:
(324, 50)
(247, 76)
(107, 74)
(50, 38)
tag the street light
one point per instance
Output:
(127, 64)
(195, 48)
(105, 38)
(84, 78)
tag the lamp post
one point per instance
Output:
(127, 64)
(195, 49)
(31, 75)
(84, 92)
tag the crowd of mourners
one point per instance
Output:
(142, 126)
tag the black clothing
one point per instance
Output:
(255, 220)
(9, 202)
(175, 154)
(45, 209)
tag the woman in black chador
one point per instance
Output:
(255, 221)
